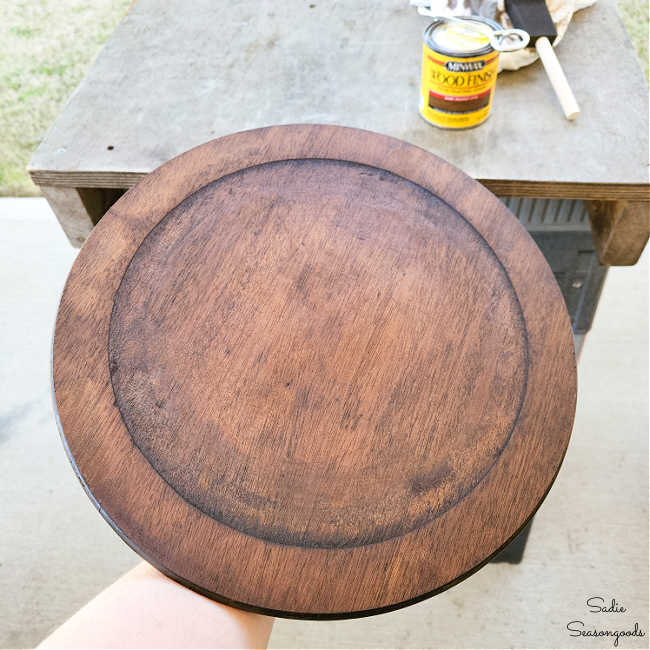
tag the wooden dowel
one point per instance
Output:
(557, 78)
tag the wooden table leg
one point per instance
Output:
(78, 209)
(71, 212)
(620, 230)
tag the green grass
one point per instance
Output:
(635, 16)
(47, 47)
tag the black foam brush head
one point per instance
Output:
(532, 16)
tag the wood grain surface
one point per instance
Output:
(313, 371)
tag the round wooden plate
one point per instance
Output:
(313, 371)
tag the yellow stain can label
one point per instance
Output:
(459, 73)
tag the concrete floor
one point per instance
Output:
(590, 537)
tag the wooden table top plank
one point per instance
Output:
(169, 79)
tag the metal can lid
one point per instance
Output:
(456, 39)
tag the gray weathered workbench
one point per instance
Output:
(170, 79)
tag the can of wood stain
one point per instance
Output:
(459, 72)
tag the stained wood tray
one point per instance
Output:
(313, 371)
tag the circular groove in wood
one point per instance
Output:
(148, 342)
(313, 371)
